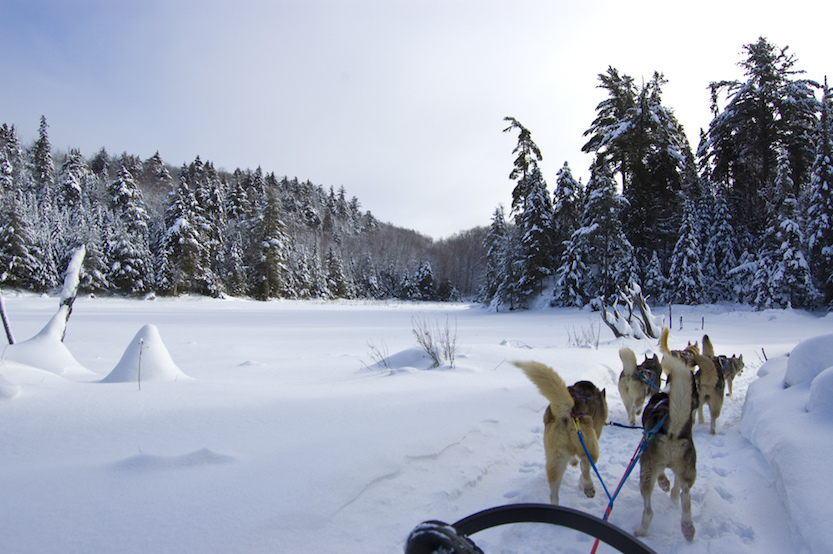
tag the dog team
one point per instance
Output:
(577, 414)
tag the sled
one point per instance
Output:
(435, 536)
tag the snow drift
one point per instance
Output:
(145, 359)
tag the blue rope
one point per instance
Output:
(622, 425)
(646, 437)
(587, 454)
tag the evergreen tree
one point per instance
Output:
(820, 210)
(71, 180)
(528, 156)
(654, 281)
(720, 255)
(132, 269)
(686, 276)
(783, 278)
(604, 242)
(534, 227)
(338, 284)
(767, 111)
(42, 166)
(495, 243)
(424, 281)
(18, 253)
(567, 209)
(610, 113)
(270, 272)
(181, 248)
(572, 282)
(652, 153)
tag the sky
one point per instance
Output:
(401, 102)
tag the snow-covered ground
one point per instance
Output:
(266, 427)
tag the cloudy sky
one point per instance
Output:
(399, 101)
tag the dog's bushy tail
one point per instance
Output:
(551, 385)
(663, 341)
(680, 397)
(628, 361)
(708, 347)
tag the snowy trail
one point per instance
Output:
(284, 440)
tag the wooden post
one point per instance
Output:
(5, 319)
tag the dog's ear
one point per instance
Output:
(656, 358)
(604, 394)
(741, 357)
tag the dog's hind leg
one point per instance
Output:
(646, 487)
(556, 468)
(586, 481)
(687, 522)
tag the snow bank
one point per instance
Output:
(795, 436)
(46, 351)
(145, 358)
(809, 359)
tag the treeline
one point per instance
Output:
(151, 228)
(746, 217)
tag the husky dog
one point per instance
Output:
(637, 382)
(709, 380)
(582, 403)
(669, 415)
(731, 367)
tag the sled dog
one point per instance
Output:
(637, 382)
(709, 380)
(581, 403)
(672, 446)
(731, 367)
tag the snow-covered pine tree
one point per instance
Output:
(269, 277)
(496, 243)
(602, 238)
(338, 283)
(71, 180)
(424, 281)
(534, 228)
(18, 254)
(654, 281)
(181, 248)
(528, 156)
(820, 204)
(568, 204)
(770, 109)
(685, 277)
(720, 253)
(572, 279)
(783, 279)
(42, 167)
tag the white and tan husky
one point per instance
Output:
(580, 403)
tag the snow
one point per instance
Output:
(286, 435)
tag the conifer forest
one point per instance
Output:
(745, 216)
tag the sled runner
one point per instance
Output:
(435, 536)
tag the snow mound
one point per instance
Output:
(146, 357)
(808, 359)
(821, 390)
(199, 458)
(7, 388)
(46, 351)
(406, 361)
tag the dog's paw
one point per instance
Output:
(641, 532)
(688, 530)
(589, 490)
(664, 483)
